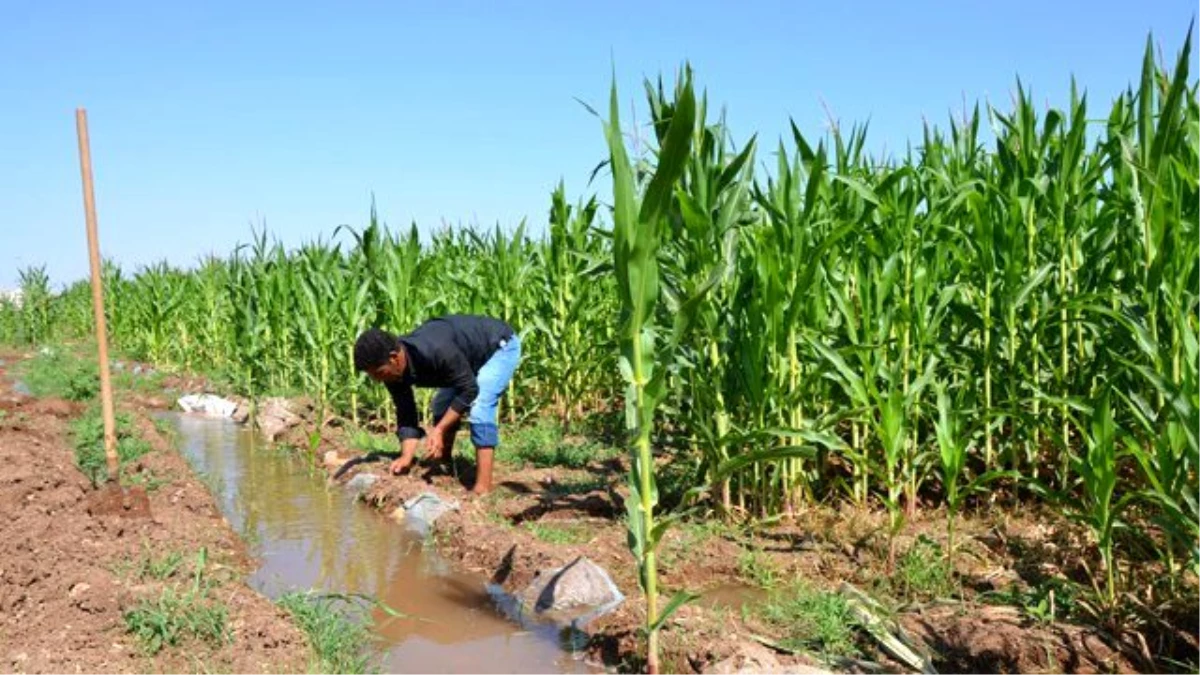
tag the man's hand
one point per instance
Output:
(408, 449)
(401, 465)
(434, 446)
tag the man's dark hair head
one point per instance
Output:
(373, 348)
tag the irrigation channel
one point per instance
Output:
(310, 534)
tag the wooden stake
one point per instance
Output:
(89, 207)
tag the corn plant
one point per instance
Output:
(639, 221)
(955, 444)
(1101, 508)
(9, 321)
(775, 329)
(567, 315)
(36, 308)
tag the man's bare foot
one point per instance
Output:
(483, 474)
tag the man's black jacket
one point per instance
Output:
(444, 352)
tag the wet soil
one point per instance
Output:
(67, 563)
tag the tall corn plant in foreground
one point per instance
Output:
(638, 224)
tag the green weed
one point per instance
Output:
(214, 482)
(145, 383)
(174, 617)
(147, 479)
(543, 445)
(1053, 599)
(575, 486)
(88, 434)
(923, 573)
(336, 639)
(558, 534)
(691, 537)
(367, 442)
(59, 374)
(812, 620)
(757, 568)
(178, 615)
(167, 431)
(159, 567)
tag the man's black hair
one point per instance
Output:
(373, 348)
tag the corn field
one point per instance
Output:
(1011, 318)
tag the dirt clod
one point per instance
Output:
(112, 499)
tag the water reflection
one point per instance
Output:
(310, 534)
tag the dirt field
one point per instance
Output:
(758, 585)
(69, 574)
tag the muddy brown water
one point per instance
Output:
(731, 596)
(309, 534)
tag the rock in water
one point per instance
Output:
(207, 405)
(577, 592)
(422, 511)
(332, 460)
(361, 483)
(241, 414)
(275, 417)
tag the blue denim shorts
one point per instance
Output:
(493, 379)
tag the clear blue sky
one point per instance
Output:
(208, 118)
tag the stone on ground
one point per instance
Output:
(577, 592)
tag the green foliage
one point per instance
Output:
(55, 373)
(640, 219)
(88, 436)
(813, 620)
(575, 486)
(826, 325)
(923, 573)
(558, 534)
(543, 445)
(180, 614)
(1053, 599)
(173, 617)
(159, 567)
(368, 442)
(337, 639)
(31, 320)
(757, 568)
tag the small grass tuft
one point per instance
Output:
(365, 441)
(757, 568)
(61, 375)
(558, 534)
(812, 620)
(543, 445)
(576, 486)
(167, 431)
(336, 639)
(178, 614)
(157, 567)
(174, 617)
(142, 382)
(88, 434)
(923, 573)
